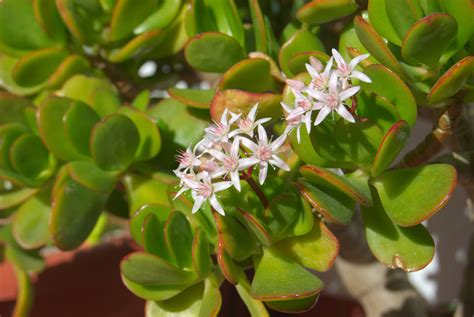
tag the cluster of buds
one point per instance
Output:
(330, 88)
(230, 150)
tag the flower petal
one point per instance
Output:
(339, 59)
(312, 72)
(319, 95)
(343, 112)
(234, 149)
(215, 203)
(361, 76)
(316, 63)
(262, 135)
(345, 94)
(220, 186)
(323, 113)
(234, 177)
(249, 144)
(198, 201)
(262, 173)
(253, 112)
(247, 162)
(296, 84)
(356, 60)
(275, 160)
(278, 142)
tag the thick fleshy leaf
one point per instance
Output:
(428, 38)
(192, 97)
(138, 217)
(179, 239)
(30, 225)
(51, 127)
(332, 204)
(390, 86)
(281, 214)
(412, 195)
(236, 239)
(260, 31)
(98, 93)
(213, 52)
(19, 30)
(296, 64)
(188, 303)
(84, 19)
(143, 191)
(392, 143)
(322, 11)
(305, 220)
(402, 14)
(71, 65)
(409, 249)
(452, 81)
(379, 20)
(16, 197)
(295, 305)
(211, 298)
(8, 134)
(359, 141)
(227, 266)
(148, 269)
(7, 63)
(90, 176)
(240, 101)
(316, 250)
(79, 120)
(153, 238)
(355, 187)
(127, 15)
(141, 44)
(150, 138)
(47, 16)
(375, 45)
(29, 157)
(251, 75)
(301, 41)
(74, 214)
(255, 307)
(461, 10)
(349, 41)
(114, 142)
(258, 228)
(161, 17)
(277, 278)
(36, 67)
(377, 109)
(13, 108)
(201, 254)
(153, 292)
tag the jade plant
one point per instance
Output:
(309, 105)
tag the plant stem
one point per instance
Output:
(258, 190)
(433, 142)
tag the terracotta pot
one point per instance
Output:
(87, 282)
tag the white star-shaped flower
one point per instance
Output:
(247, 124)
(295, 118)
(187, 159)
(347, 71)
(264, 153)
(320, 80)
(333, 100)
(203, 189)
(219, 131)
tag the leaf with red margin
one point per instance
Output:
(392, 143)
(355, 187)
(452, 81)
(316, 250)
(409, 249)
(179, 239)
(297, 62)
(201, 254)
(236, 239)
(278, 278)
(153, 292)
(147, 269)
(240, 101)
(412, 195)
(228, 268)
(258, 227)
(140, 44)
(294, 306)
(322, 11)
(192, 97)
(375, 45)
(334, 205)
(211, 298)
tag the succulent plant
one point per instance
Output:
(74, 142)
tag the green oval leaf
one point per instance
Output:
(114, 142)
(392, 143)
(141, 44)
(150, 270)
(235, 238)
(179, 239)
(354, 187)
(29, 157)
(79, 120)
(412, 195)
(277, 278)
(30, 225)
(71, 65)
(127, 15)
(160, 18)
(201, 254)
(409, 249)
(138, 218)
(402, 14)
(428, 38)
(379, 20)
(192, 97)
(11, 199)
(294, 306)
(318, 12)
(452, 80)
(89, 175)
(153, 292)
(213, 52)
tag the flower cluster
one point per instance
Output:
(229, 151)
(329, 89)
